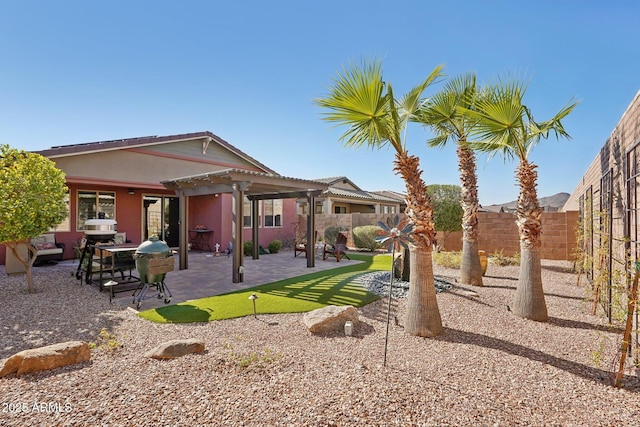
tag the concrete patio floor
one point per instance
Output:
(209, 275)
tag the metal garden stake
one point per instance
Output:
(401, 235)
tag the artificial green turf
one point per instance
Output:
(293, 295)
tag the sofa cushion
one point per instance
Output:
(45, 245)
(43, 252)
(44, 238)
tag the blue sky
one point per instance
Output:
(248, 71)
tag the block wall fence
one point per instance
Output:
(497, 232)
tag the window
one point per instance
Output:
(319, 207)
(95, 204)
(65, 225)
(273, 213)
(247, 219)
(385, 209)
(340, 209)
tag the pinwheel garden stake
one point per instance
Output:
(398, 235)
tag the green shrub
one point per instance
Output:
(364, 237)
(248, 248)
(106, 340)
(448, 259)
(499, 258)
(274, 247)
(331, 233)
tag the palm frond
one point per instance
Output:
(443, 114)
(505, 125)
(412, 102)
(357, 100)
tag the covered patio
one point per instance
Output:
(255, 186)
(208, 275)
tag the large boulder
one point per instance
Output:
(176, 348)
(46, 358)
(330, 318)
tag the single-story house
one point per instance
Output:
(344, 197)
(171, 186)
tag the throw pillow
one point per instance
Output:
(45, 245)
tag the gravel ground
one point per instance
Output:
(489, 367)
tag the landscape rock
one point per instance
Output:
(176, 348)
(46, 358)
(330, 318)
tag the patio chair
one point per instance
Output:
(338, 250)
(300, 246)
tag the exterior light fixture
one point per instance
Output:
(131, 191)
(348, 328)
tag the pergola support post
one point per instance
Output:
(236, 232)
(254, 228)
(183, 262)
(311, 231)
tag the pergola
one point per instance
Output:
(240, 183)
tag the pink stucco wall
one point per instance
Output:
(213, 212)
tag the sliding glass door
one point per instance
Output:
(161, 218)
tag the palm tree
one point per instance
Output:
(361, 100)
(443, 116)
(506, 126)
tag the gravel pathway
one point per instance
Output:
(488, 368)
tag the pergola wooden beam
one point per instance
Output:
(240, 183)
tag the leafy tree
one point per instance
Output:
(447, 210)
(32, 200)
(443, 115)
(361, 100)
(505, 126)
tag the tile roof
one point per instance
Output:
(337, 179)
(358, 194)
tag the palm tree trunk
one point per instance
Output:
(529, 300)
(423, 316)
(470, 269)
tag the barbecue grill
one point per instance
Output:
(153, 261)
(95, 231)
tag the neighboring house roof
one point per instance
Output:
(491, 208)
(339, 181)
(548, 204)
(119, 144)
(359, 194)
(399, 197)
(343, 187)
